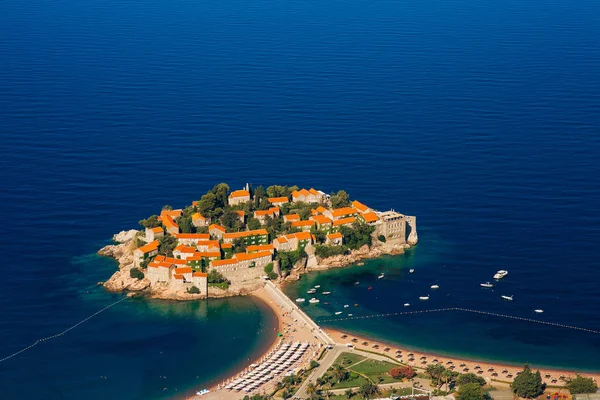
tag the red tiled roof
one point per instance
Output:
(158, 229)
(178, 277)
(235, 235)
(217, 227)
(278, 199)
(226, 245)
(302, 235)
(292, 217)
(185, 249)
(219, 263)
(199, 236)
(252, 256)
(259, 247)
(182, 270)
(339, 212)
(336, 235)
(370, 217)
(147, 248)
(359, 206)
(344, 221)
(321, 219)
(200, 274)
(239, 193)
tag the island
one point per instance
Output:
(229, 242)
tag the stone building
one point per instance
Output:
(344, 221)
(340, 213)
(199, 220)
(393, 226)
(144, 252)
(307, 196)
(262, 215)
(257, 236)
(304, 225)
(216, 231)
(154, 233)
(323, 223)
(238, 197)
(334, 239)
(278, 201)
(191, 239)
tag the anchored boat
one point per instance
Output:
(500, 274)
(300, 300)
(487, 285)
(314, 300)
(509, 298)
(381, 276)
(311, 291)
(435, 287)
(424, 297)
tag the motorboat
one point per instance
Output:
(500, 274)
(381, 276)
(538, 311)
(410, 271)
(487, 285)
(356, 283)
(355, 304)
(346, 306)
(326, 292)
(300, 300)
(311, 291)
(370, 287)
(349, 315)
(202, 392)
(338, 312)
(435, 287)
(509, 298)
(406, 304)
(317, 286)
(424, 297)
(314, 300)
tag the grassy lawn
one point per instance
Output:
(373, 367)
(354, 380)
(222, 285)
(354, 358)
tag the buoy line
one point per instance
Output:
(464, 310)
(63, 332)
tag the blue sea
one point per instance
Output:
(481, 118)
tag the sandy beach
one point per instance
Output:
(492, 371)
(292, 329)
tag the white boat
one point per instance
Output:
(487, 285)
(509, 298)
(311, 291)
(326, 292)
(406, 304)
(435, 287)
(338, 312)
(346, 306)
(381, 276)
(411, 271)
(349, 315)
(202, 392)
(300, 300)
(500, 274)
(424, 297)
(314, 300)
(317, 286)
(538, 311)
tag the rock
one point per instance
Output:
(125, 236)
(121, 280)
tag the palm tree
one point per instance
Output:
(447, 376)
(349, 393)
(368, 389)
(328, 394)
(339, 373)
(312, 391)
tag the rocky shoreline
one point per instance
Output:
(122, 252)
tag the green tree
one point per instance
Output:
(239, 245)
(340, 199)
(253, 223)
(150, 222)
(358, 235)
(207, 205)
(448, 378)
(215, 276)
(167, 207)
(381, 238)
(471, 391)
(231, 220)
(166, 245)
(435, 371)
(259, 195)
(581, 384)
(312, 391)
(339, 373)
(220, 191)
(313, 364)
(135, 273)
(185, 224)
(270, 273)
(527, 384)
(276, 191)
(463, 379)
(349, 393)
(193, 290)
(368, 390)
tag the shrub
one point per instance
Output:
(528, 384)
(471, 391)
(581, 385)
(136, 273)
(270, 273)
(463, 379)
(402, 372)
(329, 251)
(215, 276)
(193, 290)
(313, 364)
(381, 238)
(396, 373)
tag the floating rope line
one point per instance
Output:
(63, 332)
(464, 310)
